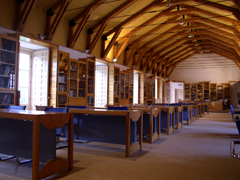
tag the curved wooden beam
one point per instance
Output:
(23, 14)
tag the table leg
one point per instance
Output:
(35, 148)
(70, 141)
(151, 127)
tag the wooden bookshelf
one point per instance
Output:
(8, 70)
(193, 92)
(62, 79)
(116, 85)
(220, 92)
(200, 91)
(227, 91)
(124, 88)
(77, 82)
(149, 90)
(206, 90)
(90, 81)
(213, 91)
(227, 95)
(187, 91)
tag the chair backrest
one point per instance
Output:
(78, 107)
(41, 108)
(15, 107)
(231, 107)
(118, 108)
(51, 109)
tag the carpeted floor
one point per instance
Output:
(199, 151)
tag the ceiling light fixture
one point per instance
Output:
(181, 22)
(168, 4)
(196, 44)
(190, 35)
(114, 60)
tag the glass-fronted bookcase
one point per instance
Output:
(8, 70)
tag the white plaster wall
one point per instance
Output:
(74, 54)
(214, 75)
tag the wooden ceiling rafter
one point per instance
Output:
(105, 51)
(132, 18)
(52, 27)
(218, 24)
(103, 23)
(140, 57)
(159, 64)
(215, 30)
(210, 42)
(167, 70)
(225, 54)
(151, 32)
(190, 11)
(123, 48)
(190, 51)
(170, 71)
(134, 50)
(154, 62)
(166, 41)
(183, 59)
(237, 3)
(84, 16)
(174, 50)
(147, 23)
(147, 60)
(162, 35)
(179, 53)
(23, 13)
(219, 17)
(230, 54)
(164, 66)
(168, 47)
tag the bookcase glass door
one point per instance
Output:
(24, 79)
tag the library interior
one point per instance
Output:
(115, 80)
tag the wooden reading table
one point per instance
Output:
(99, 115)
(50, 120)
(153, 136)
(170, 120)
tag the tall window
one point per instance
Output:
(24, 78)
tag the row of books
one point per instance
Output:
(6, 83)
(6, 71)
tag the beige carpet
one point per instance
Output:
(199, 151)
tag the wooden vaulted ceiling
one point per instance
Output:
(145, 34)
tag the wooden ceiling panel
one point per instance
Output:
(150, 28)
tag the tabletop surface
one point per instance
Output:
(27, 112)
